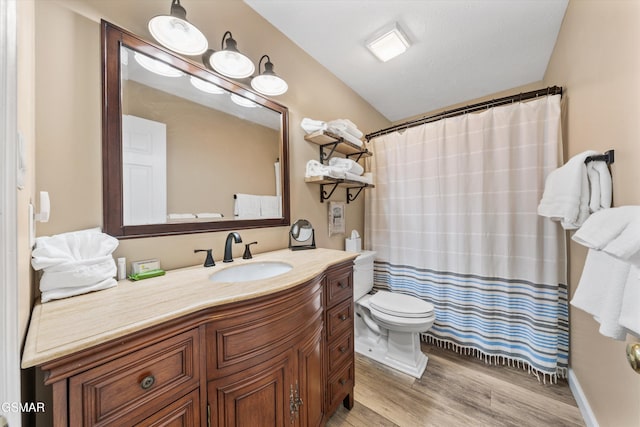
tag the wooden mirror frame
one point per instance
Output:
(112, 39)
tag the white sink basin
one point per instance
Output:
(250, 271)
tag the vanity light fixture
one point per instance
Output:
(388, 43)
(267, 82)
(206, 86)
(157, 67)
(229, 61)
(243, 102)
(174, 32)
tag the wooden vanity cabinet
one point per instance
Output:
(284, 359)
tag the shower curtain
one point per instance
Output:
(453, 220)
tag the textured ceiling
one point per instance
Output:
(461, 50)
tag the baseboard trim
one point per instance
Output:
(581, 400)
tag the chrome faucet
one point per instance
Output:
(228, 253)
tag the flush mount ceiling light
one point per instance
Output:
(206, 86)
(174, 32)
(267, 82)
(229, 61)
(388, 43)
(157, 67)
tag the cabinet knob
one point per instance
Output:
(342, 317)
(147, 382)
(343, 381)
(341, 285)
(342, 349)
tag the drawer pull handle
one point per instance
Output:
(342, 317)
(343, 381)
(147, 382)
(341, 285)
(342, 349)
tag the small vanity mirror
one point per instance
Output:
(302, 236)
(184, 149)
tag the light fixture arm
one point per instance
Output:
(268, 66)
(178, 11)
(231, 43)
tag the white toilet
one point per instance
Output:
(388, 325)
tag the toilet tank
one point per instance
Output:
(363, 274)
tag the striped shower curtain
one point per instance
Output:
(453, 221)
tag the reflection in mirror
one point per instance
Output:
(196, 152)
(302, 232)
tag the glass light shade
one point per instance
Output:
(178, 35)
(206, 86)
(269, 84)
(157, 67)
(232, 64)
(243, 102)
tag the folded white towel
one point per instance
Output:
(348, 165)
(310, 125)
(207, 215)
(344, 135)
(247, 206)
(70, 292)
(566, 193)
(346, 125)
(601, 290)
(180, 216)
(74, 263)
(600, 185)
(615, 231)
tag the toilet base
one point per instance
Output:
(400, 351)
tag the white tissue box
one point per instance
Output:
(353, 245)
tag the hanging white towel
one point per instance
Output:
(601, 291)
(629, 314)
(615, 231)
(270, 207)
(600, 185)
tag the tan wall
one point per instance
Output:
(69, 117)
(597, 61)
(211, 155)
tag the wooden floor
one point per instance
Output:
(455, 390)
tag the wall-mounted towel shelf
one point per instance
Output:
(607, 157)
(329, 144)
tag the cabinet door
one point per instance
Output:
(311, 380)
(257, 397)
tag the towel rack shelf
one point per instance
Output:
(353, 187)
(336, 144)
(607, 157)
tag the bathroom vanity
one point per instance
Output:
(183, 350)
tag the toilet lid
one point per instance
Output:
(400, 305)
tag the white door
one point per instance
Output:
(144, 171)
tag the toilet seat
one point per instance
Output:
(401, 305)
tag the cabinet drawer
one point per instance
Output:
(247, 337)
(183, 412)
(340, 350)
(340, 385)
(137, 385)
(339, 319)
(339, 285)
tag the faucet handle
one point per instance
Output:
(247, 251)
(208, 262)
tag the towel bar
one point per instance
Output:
(606, 157)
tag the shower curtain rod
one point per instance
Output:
(551, 90)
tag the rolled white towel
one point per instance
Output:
(346, 125)
(348, 165)
(310, 125)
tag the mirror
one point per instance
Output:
(302, 232)
(184, 149)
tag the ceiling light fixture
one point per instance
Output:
(229, 61)
(267, 82)
(388, 43)
(157, 67)
(174, 32)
